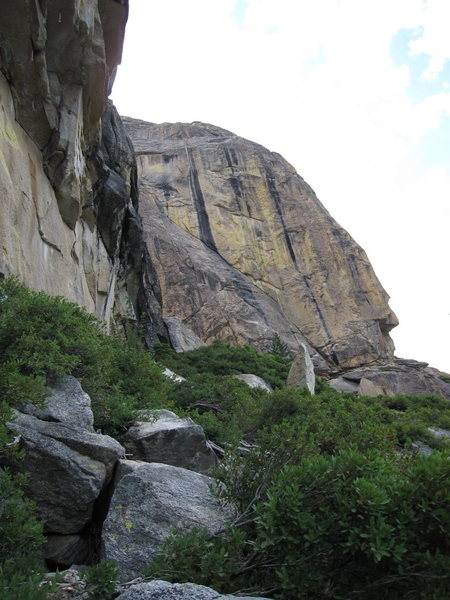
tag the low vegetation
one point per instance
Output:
(332, 502)
(43, 338)
(223, 359)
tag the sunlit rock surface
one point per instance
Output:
(68, 217)
(244, 249)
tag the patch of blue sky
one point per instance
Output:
(417, 63)
(434, 147)
(239, 11)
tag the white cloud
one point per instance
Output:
(433, 39)
(315, 81)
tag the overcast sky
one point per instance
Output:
(355, 94)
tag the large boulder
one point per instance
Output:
(168, 439)
(148, 504)
(341, 384)
(162, 590)
(301, 373)
(181, 337)
(66, 403)
(68, 467)
(398, 376)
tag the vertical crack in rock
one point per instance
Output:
(275, 195)
(320, 315)
(235, 181)
(204, 226)
(277, 202)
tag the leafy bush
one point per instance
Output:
(330, 507)
(44, 336)
(412, 415)
(358, 524)
(223, 359)
(197, 555)
(21, 540)
(53, 338)
(101, 580)
(124, 379)
(233, 407)
(296, 425)
(349, 525)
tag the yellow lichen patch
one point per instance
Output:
(10, 136)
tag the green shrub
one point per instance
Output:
(330, 508)
(21, 540)
(295, 426)
(198, 556)
(343, 526)
(234, 407)
(101, 580)
(411, 416)
(358, 525)
(223, 359)
(279, 348)
(124, 379)
(43, 338)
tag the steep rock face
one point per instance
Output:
(233, 229)
(36, 244)
(68, 220)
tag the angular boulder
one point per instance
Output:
(68, 469)
(171, 440)
(398, 376)
(301, 373)
(124, 467)
(148, 504)
(181, 337)
(368, 387)
(341, 384)
(163, 590)
(421, 448)
(67, 403)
